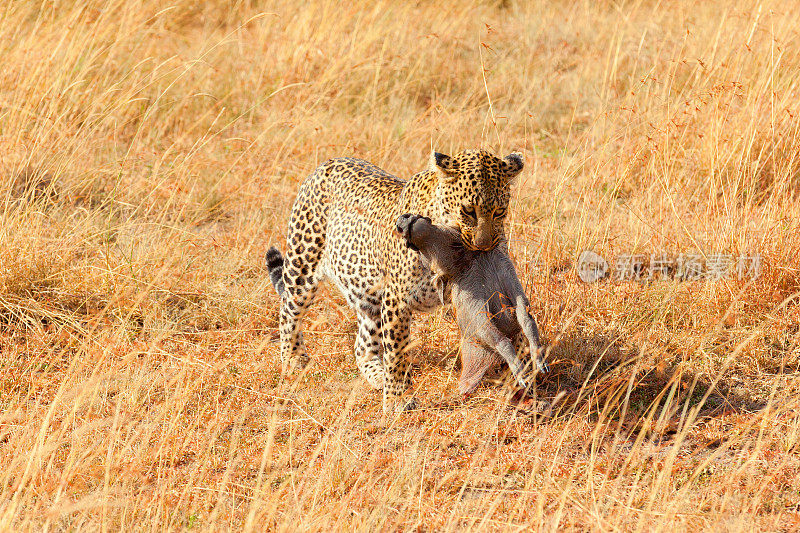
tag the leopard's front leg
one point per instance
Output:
(396, 319)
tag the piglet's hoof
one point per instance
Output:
(518, 397)
(404, 227)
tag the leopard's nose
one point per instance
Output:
(483, 235)
(483, 242)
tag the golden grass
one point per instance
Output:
(150, 154)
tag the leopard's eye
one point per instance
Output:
(499, 213)
(468, 211)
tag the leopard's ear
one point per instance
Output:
(443, 165)
(512, 165)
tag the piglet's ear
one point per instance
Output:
(512, 165)
(442, 288)
(443, 165)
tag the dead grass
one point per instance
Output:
(151, 153)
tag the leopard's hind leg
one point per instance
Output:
(305, 243)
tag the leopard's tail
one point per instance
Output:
(274, 260)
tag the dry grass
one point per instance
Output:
(150, 153)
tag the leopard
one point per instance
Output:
(342, 229)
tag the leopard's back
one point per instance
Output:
(348, 206)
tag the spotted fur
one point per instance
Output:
(342, 228)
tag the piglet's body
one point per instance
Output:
(490, 305)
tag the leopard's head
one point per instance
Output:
(472, 193)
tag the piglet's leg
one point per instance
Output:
(507, 352)
(530, 330)
(476, 360)
(505, 348)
